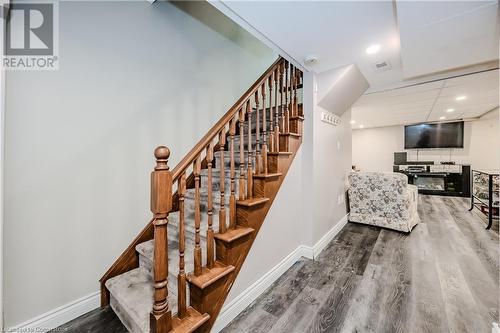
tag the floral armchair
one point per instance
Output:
(383, 199)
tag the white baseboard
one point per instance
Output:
(327, 238)
(60, 315)
(237, 305)
(70, 311)
(242, 301)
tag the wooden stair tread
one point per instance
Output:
(267, 175)
(280, 153)
(252, 202)
(233, 234)
(190, 322)
(209, 276)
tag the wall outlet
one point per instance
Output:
(339, 199)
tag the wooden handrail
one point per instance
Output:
(214, 131)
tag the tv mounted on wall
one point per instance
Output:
(442, 135)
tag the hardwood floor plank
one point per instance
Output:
(288, 289)
(335, 257)
(334, 309)
(461, 309)
(332, 312)
(365, 305)
(99, 320)
(427, 308)
(300, 314)
(397, 282)
(363, 318)
(484, 243)
(253, 319)
(481, 285)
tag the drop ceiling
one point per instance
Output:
(417, 38)
(429, 102)
(425, 43)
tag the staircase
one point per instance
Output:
(224, 188)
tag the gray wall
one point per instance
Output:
(79, 140)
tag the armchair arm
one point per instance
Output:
(412, 193)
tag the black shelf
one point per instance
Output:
(490, 184)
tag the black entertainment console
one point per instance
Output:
(446, 178)
(438, 179)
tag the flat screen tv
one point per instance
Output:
(443, 135)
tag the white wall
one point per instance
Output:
(373, 148)
(331, 165)
(80, 140)
(281, 233)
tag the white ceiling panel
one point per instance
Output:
(440, 35)
(416, 37)
(337, 32)
(429, 101)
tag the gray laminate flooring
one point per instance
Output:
(443, 277)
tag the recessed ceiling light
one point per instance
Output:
(353, 121)
(361, 126)
(442, 118)
(450, 110)
(461, 98)
(372, 49)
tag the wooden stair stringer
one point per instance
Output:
(246, 246)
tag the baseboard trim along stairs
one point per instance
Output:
(61, 315)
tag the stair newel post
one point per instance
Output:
(161, 204)
(276, 114)
(181, 277)
(264, 131)
(271, 113)
(222, 209)
(287, 97)
(232, 197)
(241, 184)
(210, 230)
(258, 156)
(197, 216)
(250, 154)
